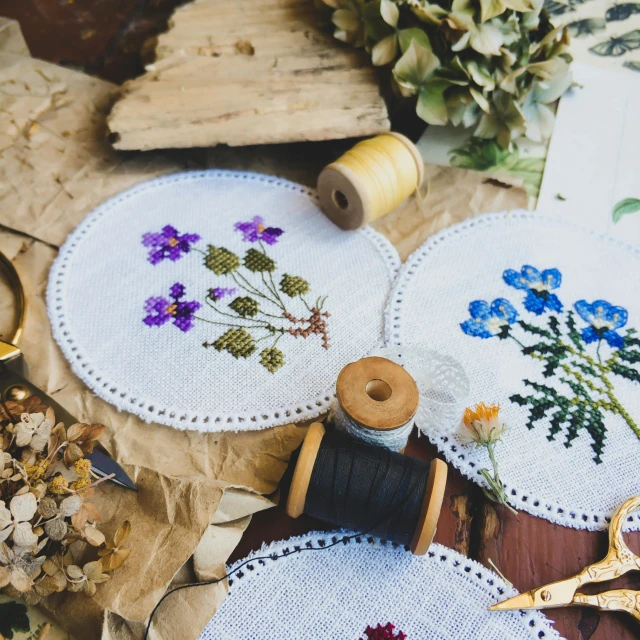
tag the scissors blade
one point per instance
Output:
(554, 594)
(101, 463)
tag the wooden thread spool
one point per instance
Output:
(415, 527)
(370, 180)
(376, 401)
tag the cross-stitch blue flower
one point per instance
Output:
(487, 320)
(603, 319)
(168, 244)
(159, 310)
(538, 286)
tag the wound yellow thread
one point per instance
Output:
(370, 180)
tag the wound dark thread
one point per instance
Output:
(364, 488)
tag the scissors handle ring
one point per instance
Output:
(16, 287)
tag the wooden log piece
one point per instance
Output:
(245, 72)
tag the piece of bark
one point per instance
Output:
(245, 72)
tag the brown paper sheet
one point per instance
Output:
(56, 166)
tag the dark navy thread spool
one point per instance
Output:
(366, 488)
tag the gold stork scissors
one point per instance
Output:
(14, 386)
(564, 593)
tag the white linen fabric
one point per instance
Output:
(542, 314)
(218, 300)
(336, 593)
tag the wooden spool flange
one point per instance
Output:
(377, 393)
(431, 503)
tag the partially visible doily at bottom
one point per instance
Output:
(543, 315)
(335, 594)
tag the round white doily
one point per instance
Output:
(542, 314)
(218, 300)
(335, 594)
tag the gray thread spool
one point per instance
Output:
(376, 401)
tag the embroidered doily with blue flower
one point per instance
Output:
(218, 300)
(545, 318)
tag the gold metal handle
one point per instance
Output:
(9, 350)
(626, 600)
(619, 559)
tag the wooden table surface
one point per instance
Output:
(107, 38)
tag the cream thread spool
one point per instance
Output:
(376, 401)
(370, 180)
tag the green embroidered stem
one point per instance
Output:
(612, 398)
(273, 290)
(229, 324)
(249, 288)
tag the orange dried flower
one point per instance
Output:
(482, 424)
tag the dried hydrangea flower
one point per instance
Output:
(34, 429)
(86, 578)
(114, 553)
(14, 521)
(18, 568)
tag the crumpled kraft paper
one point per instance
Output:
(56, 166)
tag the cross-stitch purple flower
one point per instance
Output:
(255, 230)
(168, 244)
(159, 310)
(221, 292)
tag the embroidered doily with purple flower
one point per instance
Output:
(544, 316)
(220, 300)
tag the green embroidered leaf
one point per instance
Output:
(272, 359)
(539, 331)
(573, 333)
(237, 341)
(632, 357)
(220, 260)
(294, 286)
(258, 262)
(625, 372)
(624, 207)
(245, 306)
(585, 367)
(554, 325)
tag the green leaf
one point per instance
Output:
(531, 328)
(490, 9)
(407, 36)
(624, 207)
(625, 372)
(633, 357)
(385, 51)
(415, 66)
(389, 12)
(431, 106)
